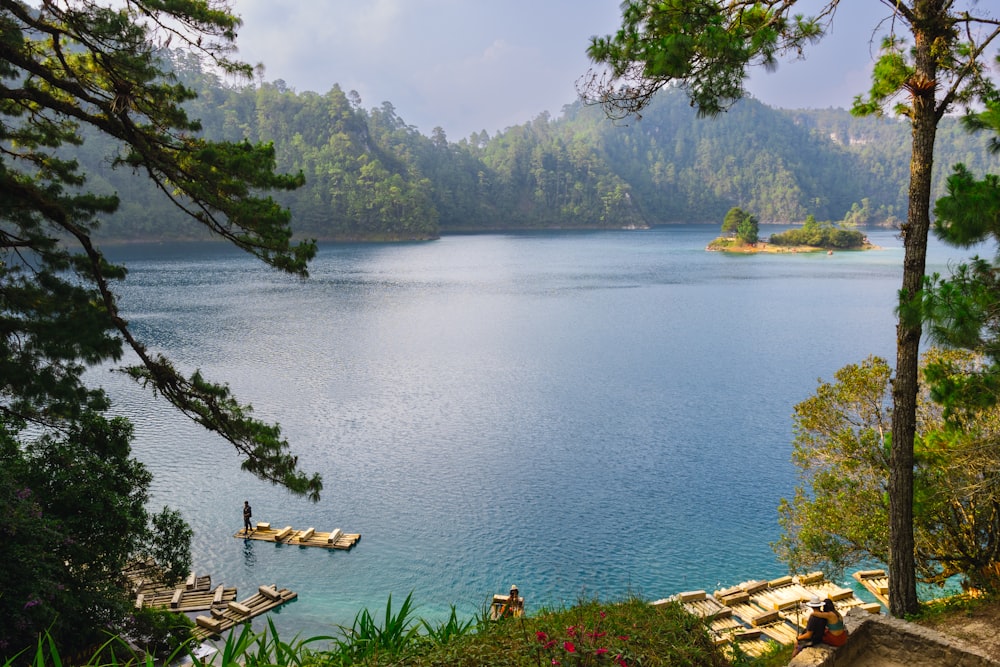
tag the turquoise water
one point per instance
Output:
(575, 413)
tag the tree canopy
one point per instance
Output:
(933, 57)
(74, 517)
(838, 516)
(820, 235)
(72, 68)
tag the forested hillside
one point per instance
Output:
(370, 176)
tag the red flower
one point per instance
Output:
(541, 636)
(570, 647)
(601, 651)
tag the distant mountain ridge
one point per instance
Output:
(370, 176)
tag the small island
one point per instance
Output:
(741, 233)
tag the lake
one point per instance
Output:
(576, 413)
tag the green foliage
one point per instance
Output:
(367, 640)
(631, 632)
(748, 230)
(370, 176)
(75, 72)
(731, 222)
(741, 225)
(159, 632)
(963, 310)
(838, 515)
(820, 235)
(170, 544)
(701, 45)
(75, 508)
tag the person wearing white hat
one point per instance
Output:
(815, 627)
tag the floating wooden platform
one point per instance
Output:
(182, 600)
(225, 617)
(195, 593)
(875, 582)
(755, 613)
(335, 539)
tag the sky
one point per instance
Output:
(472, 65)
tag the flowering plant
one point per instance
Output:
(585, 643)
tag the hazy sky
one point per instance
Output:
(471, 65)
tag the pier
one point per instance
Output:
(310, 537)
(755, 613)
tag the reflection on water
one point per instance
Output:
(591, 413)
(249, 557)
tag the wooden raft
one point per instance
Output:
(335, 539)
(875, 582)
(192, 594)
(182, 600)
(225, 617)
(756, 613)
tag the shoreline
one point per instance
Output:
(778, 249)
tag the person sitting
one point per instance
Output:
(815, 627)
(835, 633)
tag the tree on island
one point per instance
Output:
(741, 225)
(819, 235)
(707, 47)
(66, 66)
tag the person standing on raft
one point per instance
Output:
(247, 513)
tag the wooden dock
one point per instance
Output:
(755, 613)
(225, 617)
(335, 539)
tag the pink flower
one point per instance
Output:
(549, 644)
(570, 647)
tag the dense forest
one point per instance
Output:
(370, 176)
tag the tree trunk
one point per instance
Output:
(924, 118)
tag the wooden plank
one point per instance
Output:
(239, 607)
(691, 596)
(175, 599)
(214, 625)
(270, 592)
